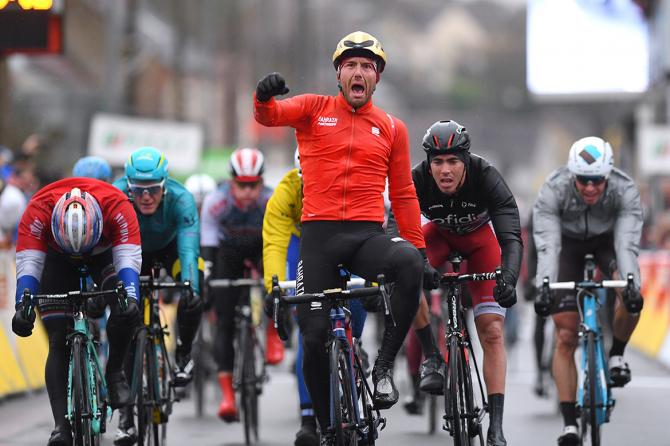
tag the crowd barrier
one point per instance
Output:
(652, 335)
(21, 359)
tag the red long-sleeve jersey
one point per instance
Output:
(346, 155)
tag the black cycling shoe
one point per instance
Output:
(183, 370)
(307, 436)
(569, 437)
(432, 375)
(619, 371)
(126, 434)
(495, 438)
(386, 393)
(61, 436)
(119, 391)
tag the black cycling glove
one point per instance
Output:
(431, 277)
(22, 325)
(632, 300)
(505, 290)
(130, 316)
(191, 306)
(271, 85)
(544, 301)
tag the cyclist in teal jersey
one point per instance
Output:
(170, 232)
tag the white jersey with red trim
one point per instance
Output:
(120, 231)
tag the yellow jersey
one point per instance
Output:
(282, 219)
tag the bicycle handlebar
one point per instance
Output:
(475, 277)
(230, 283)
(290, 284)
(588, 284)
(79, 296)
(331, 294)
(155, 284)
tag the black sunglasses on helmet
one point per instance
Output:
(352, 44)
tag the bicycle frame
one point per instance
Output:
(365, 427)
(249, 373)
(462, 417)
(153, 375)
(589, 304)
(455, 327)
(98, 406)
(594, 397)
(87, 409)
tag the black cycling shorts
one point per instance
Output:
(571, 265)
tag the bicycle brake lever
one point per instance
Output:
(122, 296)
(27, 300)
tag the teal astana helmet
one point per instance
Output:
(146, 164)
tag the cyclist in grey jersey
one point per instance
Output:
(585, 207)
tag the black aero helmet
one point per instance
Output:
(446, 138)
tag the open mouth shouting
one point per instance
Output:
(358, 89)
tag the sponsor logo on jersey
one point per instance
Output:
(375, 131)
(326, 121)
(453, 219)
(123, 226)
(36, 229)
(299, 286)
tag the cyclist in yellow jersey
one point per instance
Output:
(281, 234)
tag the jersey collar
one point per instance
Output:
(342, 102)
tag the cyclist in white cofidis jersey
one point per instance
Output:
(587, 207)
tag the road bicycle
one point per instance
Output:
(594, 394)
(464, 410)
(88, 407)
(153, 376)
(249, 372)
(353, 418)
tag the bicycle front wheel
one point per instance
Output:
(248, 389)
(591, 403)
(143, 393)
(159, 373)
(81, 404)
(455, 402)
(343, 404)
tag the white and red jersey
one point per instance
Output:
(120, 231)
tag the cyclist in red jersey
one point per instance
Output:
(348, 149)
(66, 223)
(471, 210)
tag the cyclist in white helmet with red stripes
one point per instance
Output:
(231, 233)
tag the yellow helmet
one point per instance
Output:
(360, 43)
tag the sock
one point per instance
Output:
(569, 412)
(428, 345)
(496, 405)
(618, 346)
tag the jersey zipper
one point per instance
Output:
(346, 168)
(586, 223)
